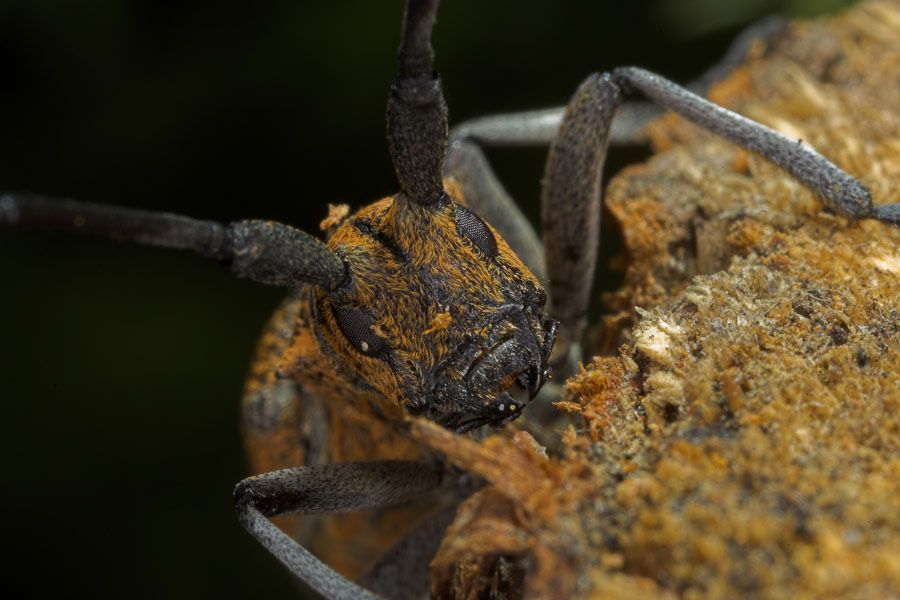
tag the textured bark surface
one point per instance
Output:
(745, 439)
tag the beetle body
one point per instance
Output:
(173, 409)
(443, 320)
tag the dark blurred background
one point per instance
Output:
(122, 367)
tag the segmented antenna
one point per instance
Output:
(264, 251)
(416, 112)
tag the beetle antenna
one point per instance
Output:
(264, 251)
(416, 112)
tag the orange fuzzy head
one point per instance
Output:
(438, 314)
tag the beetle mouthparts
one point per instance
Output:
(533, 379)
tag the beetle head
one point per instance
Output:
(438, 313)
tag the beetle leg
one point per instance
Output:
(570, 210)
(841, 193)
(540, 127)
(326, 489)
(767, 29)
(571, 201)
(404, 571)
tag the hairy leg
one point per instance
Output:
(404, 571)
(326, 489)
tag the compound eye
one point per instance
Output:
(470, 225)
(356, 325)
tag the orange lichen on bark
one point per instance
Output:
(529, 489)
(604, 388)
(336, 215)
(745, 442)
